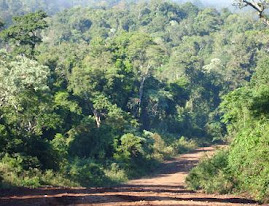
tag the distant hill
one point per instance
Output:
(210, 3)
(21, 7)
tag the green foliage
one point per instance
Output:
(19, 171)
(24, 34)
(212, 175)
(182, 145)
(132, 152)
(85, 172)
(160, 148)
(19, 75)
(61, 100)
(249, 161)
(60, 146)
(246, 115)
(130, 147)
(116, 174)
(1, 24)
(207, 21)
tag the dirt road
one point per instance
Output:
(165, 188)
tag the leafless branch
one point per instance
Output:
(257, 6)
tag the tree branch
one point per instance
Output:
(259, 7)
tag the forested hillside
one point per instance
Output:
(96, 95)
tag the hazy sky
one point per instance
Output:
(215, 3)
(218, 2)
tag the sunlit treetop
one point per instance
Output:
(20, 74)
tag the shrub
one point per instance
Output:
(86, 172)
(116, 174)
(183, 145)
(161, 150)
(14, 175)
(15, 171)
(249, 160)
(130, 148)
(212, 175)
(49, 177)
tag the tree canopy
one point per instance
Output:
(24, 35)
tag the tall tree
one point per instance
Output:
(25, 34)
(146, 56)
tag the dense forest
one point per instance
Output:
(97, 92)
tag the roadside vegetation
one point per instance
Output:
(243, 167)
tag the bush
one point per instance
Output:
(15, 171)
(116, 174)
(85, 172)
(130, 148)
(13, 175)
(212, 175)
(249, 160)
(134, 157)
(183, 145)
(243, 169)
(161, 150)
(49, 177)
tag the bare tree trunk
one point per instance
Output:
(141, 88)
(97, 118)
(96, 114)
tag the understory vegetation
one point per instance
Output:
(135, 157)
(94, 94)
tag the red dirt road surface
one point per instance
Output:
(166, 187)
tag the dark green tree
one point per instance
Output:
(25, 34)
(1, 24)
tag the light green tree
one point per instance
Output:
(24, 93)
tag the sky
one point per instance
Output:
(217, 3)
(214, 3)
(206, 3)
(227, 2)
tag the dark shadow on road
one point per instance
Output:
(91, 199)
